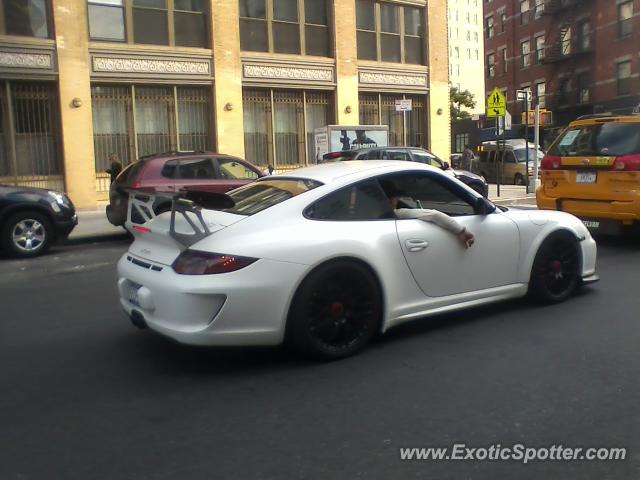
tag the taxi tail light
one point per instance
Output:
(195, 262)
(629, 163)
(550, 162)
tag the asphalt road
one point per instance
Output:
(84, 395)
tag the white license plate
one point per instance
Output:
(586, 177)
(591, 224)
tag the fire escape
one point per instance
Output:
(568, 45)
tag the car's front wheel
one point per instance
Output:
(336, 311)
(556, 269)
(26, 234)
(518, 179)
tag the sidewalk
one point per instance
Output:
(513, 195)
(93, 224)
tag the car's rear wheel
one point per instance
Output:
(27, 234)
(556, 269)
(336, 311)
(518, 179)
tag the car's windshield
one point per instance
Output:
(258, 196)
(604, 140)
(521, 154)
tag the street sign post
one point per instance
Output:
(497, 108)
(404, 106)
(496, 104)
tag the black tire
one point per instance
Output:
(336, 311)
(26, 234)
(556, 269)
(518, 179)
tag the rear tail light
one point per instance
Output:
(630, 163)
(550, 162)
(195, 262)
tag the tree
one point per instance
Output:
(460, 99)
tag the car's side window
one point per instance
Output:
(361, 201)
(509, 157)
(428, 191)
(398, 155)
(427, 158)
(197, 169)
(422, 157)
(231, 169)
(372, 155)
(170, 169)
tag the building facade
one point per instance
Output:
(577, 57)
(466, 49)
(87, 82)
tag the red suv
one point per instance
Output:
(172, 172)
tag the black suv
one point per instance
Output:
(31, 219)
(411, 154)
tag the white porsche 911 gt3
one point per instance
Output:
(317, 257)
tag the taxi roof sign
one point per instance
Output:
(496, 104)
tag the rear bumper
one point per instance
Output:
(246, 307)
(626, 212)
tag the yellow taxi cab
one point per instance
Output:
(592, 171)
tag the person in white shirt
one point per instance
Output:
(436, 217)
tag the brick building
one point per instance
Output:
(577, 56)
(86, 81)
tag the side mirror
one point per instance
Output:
(445, 166)
(483, 206)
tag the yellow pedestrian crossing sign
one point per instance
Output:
(496, 104)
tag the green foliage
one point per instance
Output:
(461, 99)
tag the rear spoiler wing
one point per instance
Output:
(187, 204)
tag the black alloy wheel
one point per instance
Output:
(336, 311)
(556, 269)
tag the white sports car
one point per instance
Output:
(318, 258)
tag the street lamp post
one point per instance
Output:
(525, 96)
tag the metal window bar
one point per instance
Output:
(5, 166)
(288, 110)
(111, 125)
(416, 122)
(194, 113)
(155, 120)
(32, 126)
(112, 130)
(319, 108)
(258, 140)
(393, 119)
(369, 109)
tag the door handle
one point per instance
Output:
(416, 244)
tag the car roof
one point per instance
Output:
(606, 119)
(330, 172)
(185, 155)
